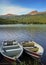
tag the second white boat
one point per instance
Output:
(33, 49)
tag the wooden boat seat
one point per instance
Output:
(12, 52)
(8, 43)
(11, 47)
(28, 44)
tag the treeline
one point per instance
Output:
(25, 19)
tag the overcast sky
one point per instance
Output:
(21, 6)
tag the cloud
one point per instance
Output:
(14, 10)
(7, 7)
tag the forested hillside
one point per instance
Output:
(24, 19)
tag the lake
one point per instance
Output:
(28, 32)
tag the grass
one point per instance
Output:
(35, 62)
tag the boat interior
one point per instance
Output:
(30, 46)
(11, 48)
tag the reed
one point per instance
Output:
(35, 62)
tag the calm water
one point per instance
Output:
(25, 33)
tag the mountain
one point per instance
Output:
(13, 16)
(36, 12)
(19, 17)
(33, 13)
(33, 17)
(9, 16)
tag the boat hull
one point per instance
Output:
(34, 55)
(9, 59)
(12, 53)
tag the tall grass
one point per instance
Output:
(35, 62)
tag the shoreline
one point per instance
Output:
(21, 25)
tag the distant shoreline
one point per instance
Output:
(21, 25)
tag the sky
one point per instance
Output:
(19, 7)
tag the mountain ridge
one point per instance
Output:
(35, 12)
(39, 18)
